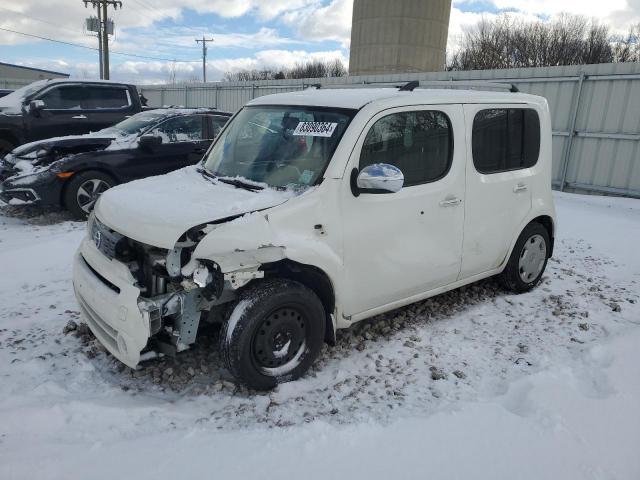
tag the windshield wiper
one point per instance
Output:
(236, 182)
(206, 173)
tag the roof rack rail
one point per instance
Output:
(413, 84)
(477, 84)
(409, 86)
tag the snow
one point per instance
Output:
(194, 200)
(475, 383)
(235, 317)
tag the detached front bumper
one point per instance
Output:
(111, 303)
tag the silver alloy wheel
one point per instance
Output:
(89, 192)
(532, 258)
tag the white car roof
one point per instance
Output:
(357, 98)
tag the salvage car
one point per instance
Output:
(73, 171)
(50, 108)
(314, 210)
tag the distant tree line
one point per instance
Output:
(505, 42)
(500, 42)
(311, 69)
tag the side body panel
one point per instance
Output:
(500, 204)
(401, 244)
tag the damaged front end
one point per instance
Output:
(172, 292)
(28, 175)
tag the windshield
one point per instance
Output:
(281, 146)
(15, 98)
(137, 122)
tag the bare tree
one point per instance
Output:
(172, 73)
(627, 49)
(311, 69)
(505, 42)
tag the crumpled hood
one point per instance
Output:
(83, 142)
(158, 210)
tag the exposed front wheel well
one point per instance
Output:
(314, 279)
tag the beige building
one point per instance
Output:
(15, 76)
(398, 36)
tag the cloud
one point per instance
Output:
(150, 72)
(318, 21)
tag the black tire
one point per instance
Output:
(5, 146)
(268, 318)
(516, 276)
(72, 196)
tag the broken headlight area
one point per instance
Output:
(176, 290)
(19, 196)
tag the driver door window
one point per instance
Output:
(419, 143)
(180, 129)
(63, 98)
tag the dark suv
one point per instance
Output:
(73, 171)
(51, 108)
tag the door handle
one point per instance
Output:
(450, 202)
(79, 117)
(521, 187)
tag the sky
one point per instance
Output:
(247, 33)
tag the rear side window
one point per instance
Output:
(419, 143)
(216, 124)
(505, 139)
(106, 97)
(182, 128)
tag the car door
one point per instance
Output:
(106, 105)
(63, 113)
(398, 245)
(182, 144)
(503, 144)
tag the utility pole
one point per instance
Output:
(99, 43)
(103, 31)
(204, 56)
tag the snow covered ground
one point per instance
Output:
(475, 383)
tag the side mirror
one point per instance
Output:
(149, 142)
(378, 178)
(36, 106)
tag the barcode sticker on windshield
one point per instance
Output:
(315, 129)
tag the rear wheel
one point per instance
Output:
(273, 334)
(528, 259)
(84, 189)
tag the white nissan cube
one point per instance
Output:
(314, 210)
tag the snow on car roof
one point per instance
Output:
(359, 97)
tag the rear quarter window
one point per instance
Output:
(505, 139)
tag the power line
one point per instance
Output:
(93, 48)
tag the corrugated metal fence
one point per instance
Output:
(595, 112)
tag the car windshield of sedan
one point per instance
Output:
(137, 123)
(282, 146)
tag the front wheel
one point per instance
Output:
(528, 259)
(83, 190)
(5, 147)
(273, 334)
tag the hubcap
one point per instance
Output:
(280, 341)
(532, 258)
(89, 192)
